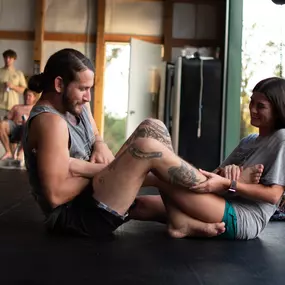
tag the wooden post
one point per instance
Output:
(100, 67)
(168, 26)
(39, 34)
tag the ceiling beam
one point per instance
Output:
(67, 37)
(126, 38)
(194, 42)
(17, 35)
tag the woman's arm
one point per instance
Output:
(258, 192)
(270, 194)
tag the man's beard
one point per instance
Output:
(69, 105)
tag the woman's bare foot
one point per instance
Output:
(6, 156)
(148, 208)
(181, 225)
(151, 208)
(251, 174)
(197, 229)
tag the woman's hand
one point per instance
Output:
(232, 172)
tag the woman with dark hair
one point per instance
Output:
(248, 206)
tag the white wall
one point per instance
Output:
(127, 17)
(18, 15)
(71, 16)
(51, 47)
(122, 17)
(192, 21)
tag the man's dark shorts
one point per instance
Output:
(15, 132)
(84, 216)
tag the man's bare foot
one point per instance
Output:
(148, 208)
(197, 230)
(251, 174)
(6, 156)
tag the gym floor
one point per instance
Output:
(139, 253)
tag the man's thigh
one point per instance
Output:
(16, 134)
(3, 114)
(11, 128)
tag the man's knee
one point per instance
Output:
(153, 122)
(146, 144)
(4, 127)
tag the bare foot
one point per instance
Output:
(148, 208)
(252, 174)
(180, 225)
(197, 230)
(6, 156)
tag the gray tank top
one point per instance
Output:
(81, 140)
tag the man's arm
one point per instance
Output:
(22, 83)
(53, 160)
(94, 126)
(82, 168)
(101, 152)
(18, 89)
(11, 114)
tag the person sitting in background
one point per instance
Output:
(11, 127)
(12, 83)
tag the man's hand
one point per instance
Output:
(214, 183)
(9, 85)
(101, 153)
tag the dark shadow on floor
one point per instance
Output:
(139, 253)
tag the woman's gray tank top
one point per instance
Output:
(81, 141)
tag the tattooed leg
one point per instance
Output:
(118, 184)
(155, 129)
(149, 128)
(184, 175)
(165, 167)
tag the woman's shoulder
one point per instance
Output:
(249, 138)
(279, 135)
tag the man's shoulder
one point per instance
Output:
(49, 118)
(2, 71)
(47, 125)
(19, 107)
(19, 72)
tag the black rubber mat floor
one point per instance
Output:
(140, 253)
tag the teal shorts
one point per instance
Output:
(230, 219)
